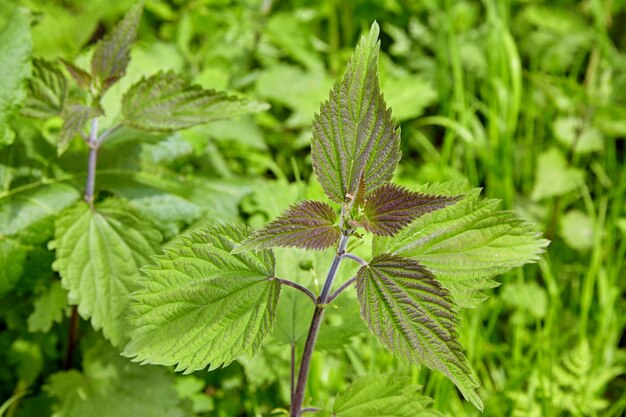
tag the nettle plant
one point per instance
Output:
(212, 296)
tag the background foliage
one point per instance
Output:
(523, 98)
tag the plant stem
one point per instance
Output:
(340, 289)
(316, 321)
(355, 258)
(91, 167)
(299, 287)
(71, 339)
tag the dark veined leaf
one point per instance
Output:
(166, 102)
(112, 53)
(354, 134)
(47, 90)
(200, 305)
(465, 245)
(98, 255)
(75, 117)
(82, 77)
(382, 396)
(407, 309)
(390, 208)
(308, 224)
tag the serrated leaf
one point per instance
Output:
(110, 385)
(465, 245)
(112, 53)
(381, 396)
(49, 308)
(407, 309)
(82, 77)
(47, 91)
(75, 117)
(354, 134)
(554, 176)
(201, 306)
(166, 102)
(308, 225)
(99, 253)
(390, 208)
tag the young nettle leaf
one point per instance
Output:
(202, 306)
(407, 309)
(112, 53)
(308, 225)
(390, 208)
(466, 244)
(75, 117)
(354, 135)
(166, 102)
(82, 77)
(47, 91)
(98, 255)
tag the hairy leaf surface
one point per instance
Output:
(201, 306)
(75, 117)
(166, 102)
(466, 244)
(99, 253)
(354, 134)
(112, 53)
(390, 208)
(408, 310)
(47, 90)
(308, 224)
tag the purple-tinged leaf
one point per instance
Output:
(414, 316)
(82, 77)
(390, 208)
(354, 134)
(307, 225)
(75, 116)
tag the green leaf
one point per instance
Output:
(112, 53)
(110, 385)
(82, 77)
(47, 91)
(201, 306)
(99, 253)
(554, 176)
(12, 258)
(75, 117)
(578, 135)
(466, 244)
(15, 52)
(382, 396)
(165, 102)
(27, 358)
(308, 225)
(49, 308)
(577, 230)
(354, 135)
(407, 309)
(390, 208)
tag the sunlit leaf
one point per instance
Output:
(308, 225)
(166, 102)
(201, 306)
(354, 134)
(49, 308)
(407, 309)
(47, 90)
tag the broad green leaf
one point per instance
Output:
(354, 134)
(99, 252)
(554, 177)
(12, 257)
(49, 308)
(109, 385)
(528, 297)
(390, 208)
(578, 135)
(201, 306)
(15, 52)
(382, 396)
(308, 225)
(75, 117)
(465, 245)
(576, 229)
(47, 91)
(165, 102)
(407, 309)
(112, 53)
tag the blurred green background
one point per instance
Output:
(524, 98)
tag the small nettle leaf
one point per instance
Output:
(47, 91)
(112, 53)
(390, 208)
(354, 135)
(98, 255)
(409, 311)
(75, 117)
(202, 306)
(466, 244)
(82, 77)
(48, 308)
(166, 102)
(308, 224)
